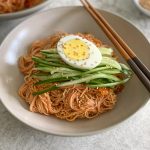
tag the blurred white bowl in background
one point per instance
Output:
(142, 9)
(24, 13)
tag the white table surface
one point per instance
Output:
(133, 134)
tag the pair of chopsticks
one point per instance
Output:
(135, 63)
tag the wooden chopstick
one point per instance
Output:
(135, 63)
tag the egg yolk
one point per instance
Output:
(76, 49)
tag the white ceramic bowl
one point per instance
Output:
(143, 10)
(72, 20)
(23, 13)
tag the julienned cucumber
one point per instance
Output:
(51, 69)
(106, 51)
(108, 61)
(89, 78)
(49, 51)
(109, 84)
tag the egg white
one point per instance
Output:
(92, 61)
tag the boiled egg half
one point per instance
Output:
(79, 52)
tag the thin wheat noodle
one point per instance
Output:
(69, 103)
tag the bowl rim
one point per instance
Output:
(88, 133)
(25, 11)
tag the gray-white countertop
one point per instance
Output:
(133, 134)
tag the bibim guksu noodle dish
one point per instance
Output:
(71, 76)
(9, 6)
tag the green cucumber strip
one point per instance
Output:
(49, 51)
(45, 77)
(98, 81)
(43, 61)
(110, 62)
(53, 80)
(111, 71)
(109, 84)
(96, 69)
(106, 51)
(88, 78)
(124, 66)
(51, 55)
(53, 60)
(56, 69)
